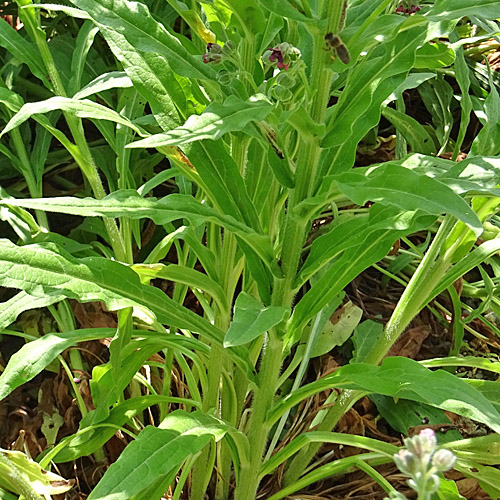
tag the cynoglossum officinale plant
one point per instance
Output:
(211, 147)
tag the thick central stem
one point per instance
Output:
(295, 233)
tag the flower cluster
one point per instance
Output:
(422, 460)
(217, 54)
(408, 10)
(283, 54)
(213, 54)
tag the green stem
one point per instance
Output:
(295, 232)
(34, 187)
(258, 431)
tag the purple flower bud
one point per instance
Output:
(213, 54)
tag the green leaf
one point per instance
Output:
(350, 258)
(470, 261)
(153, 79)
(437, 95)
(335, 334)
(84, 41)
(407, 190)
(447, 491)
(127, 203)
(462, 75)
(220, 178)
(36, 355)
(12, 308)
(95, 432)
(403, 378)
(402, 415)
(285, 9)
(157, 451)
(134, 21)
(186, 275)
(479, 174)
(48, 270)
(111, 80)
(16, 467)
(415, 134)
(455, 9)
(486, 142)
(366, 336)
(252, 319)
(213, 123)
(434, 55)
(488, 477)
(22, 49)
(369, 84)
(82, 108)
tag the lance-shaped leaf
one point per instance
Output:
(383, 229)
(91, 437)
(81, 108)
(12, 308)
(403, 188)
(35, 356)
(285, 9)
(156, 452)
(127, 203)
(152, 77)
(443, 10)
(48, 270)
(213, 123)
(252, 319)
(111, 80)
(402, 378)
(370, 83)
(134, 21)
(21, 49)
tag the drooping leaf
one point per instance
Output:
(111, 80)
(407, 190)
(82, 108)
(252, 319)
(48, 270)
(21, 302)
(403, 378)
(95, 432)
(127, 203)
(157, 451)
(36, 355)
(213, 123)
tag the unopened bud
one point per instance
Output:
(443, 460)
(228, 48)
